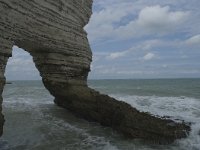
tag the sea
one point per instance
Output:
(34, 122)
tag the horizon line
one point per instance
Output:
(117, 79)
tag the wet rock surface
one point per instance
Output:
(52, 32)
(121, 116)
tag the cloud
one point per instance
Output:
(135, 49)
(155, 20)
(195, 40)
(116, 55)
(149, 56)
(157, 17)
(109, 23)
(103, 22)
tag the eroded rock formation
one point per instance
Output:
(52, 32)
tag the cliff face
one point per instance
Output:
(52, 32)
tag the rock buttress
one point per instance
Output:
(52, 32)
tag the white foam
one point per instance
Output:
(88, 140)
(15, 102)
(184, 108)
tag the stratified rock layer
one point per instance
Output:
(52, 32)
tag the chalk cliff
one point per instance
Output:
(52, 32)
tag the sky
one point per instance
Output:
(134, 39)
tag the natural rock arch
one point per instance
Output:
(52, 32)
(53, 36)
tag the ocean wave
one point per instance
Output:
(181, 108)
(81, 136)
(57, 130)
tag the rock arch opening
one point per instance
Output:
(21, 66)
(24, 97)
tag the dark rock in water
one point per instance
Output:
(121, 116)
(52, 32)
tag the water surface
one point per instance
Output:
(33, 122)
